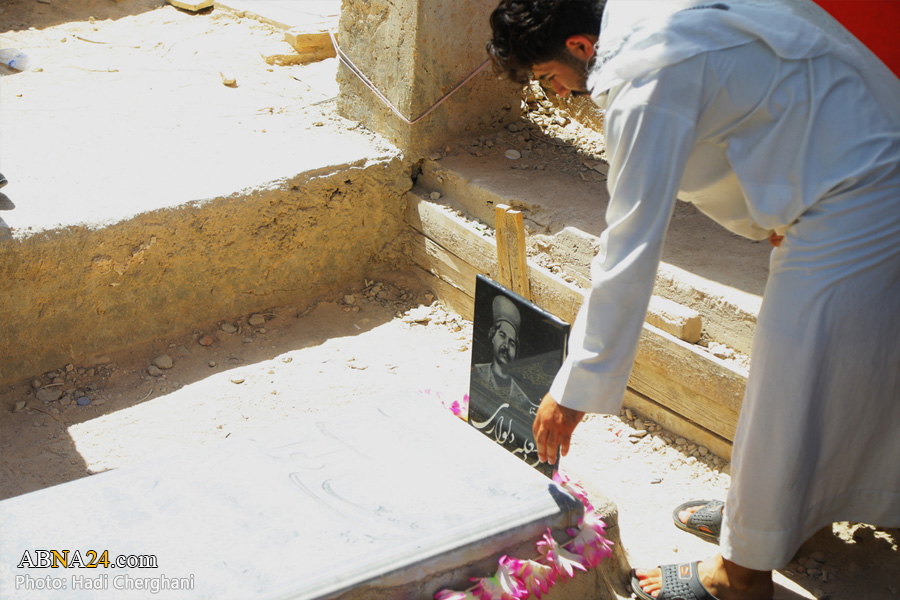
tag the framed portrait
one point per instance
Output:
(517, 348)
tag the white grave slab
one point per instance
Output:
(351, 504)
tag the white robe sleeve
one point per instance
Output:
(647, 146)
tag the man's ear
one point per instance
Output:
(581, 46)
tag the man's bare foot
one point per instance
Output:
(722, 578)
(685, 514)
(703, 518)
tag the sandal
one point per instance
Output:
(705, 522)
(680, 582)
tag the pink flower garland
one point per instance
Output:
(521, 579)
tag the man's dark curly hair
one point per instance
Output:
(527, 32)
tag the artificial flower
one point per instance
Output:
(562, 561)
(504, 585)
(536, 577)
(461, 408)
(573, 488)
(590, 542)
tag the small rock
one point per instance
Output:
(238, 380)
(680, 441)
(703, 450)
(286, 359)
(20, 406)
(809, 563)
(212, 363)
(228, 328)
(658, 444)
(183, 351)
(513, 154)
(435, 156)
(47, 394)
(819, 557)
(256, 320)
(83, 401)
(435, 195)
(640, 433)
(36, 384)
(206, 340)
(154, 371)
(350, 299)
(163, 361)
(629, 414)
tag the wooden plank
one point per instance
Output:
(518, 258)
(677, 424)
(190, 5)
(452, 233)
(702, 374)
(504, 267)
(311, 45)
(433, 258)
(675, 319)
(449, 295)
(512, 259)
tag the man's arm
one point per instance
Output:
(553, 427)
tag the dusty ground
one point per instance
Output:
(384, 335)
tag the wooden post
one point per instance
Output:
(512, 261)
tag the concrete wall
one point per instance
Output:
(414, 53)
(72, 294)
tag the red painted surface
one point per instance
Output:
(875, 22)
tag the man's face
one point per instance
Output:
(566, 75)
(505, 343)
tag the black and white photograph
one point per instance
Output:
(517, 350)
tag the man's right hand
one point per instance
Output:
(553, 427)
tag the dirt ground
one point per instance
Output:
(384, 335)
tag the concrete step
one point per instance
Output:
(167, 200)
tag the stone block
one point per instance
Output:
(391, 500)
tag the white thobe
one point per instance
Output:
(767, 125)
